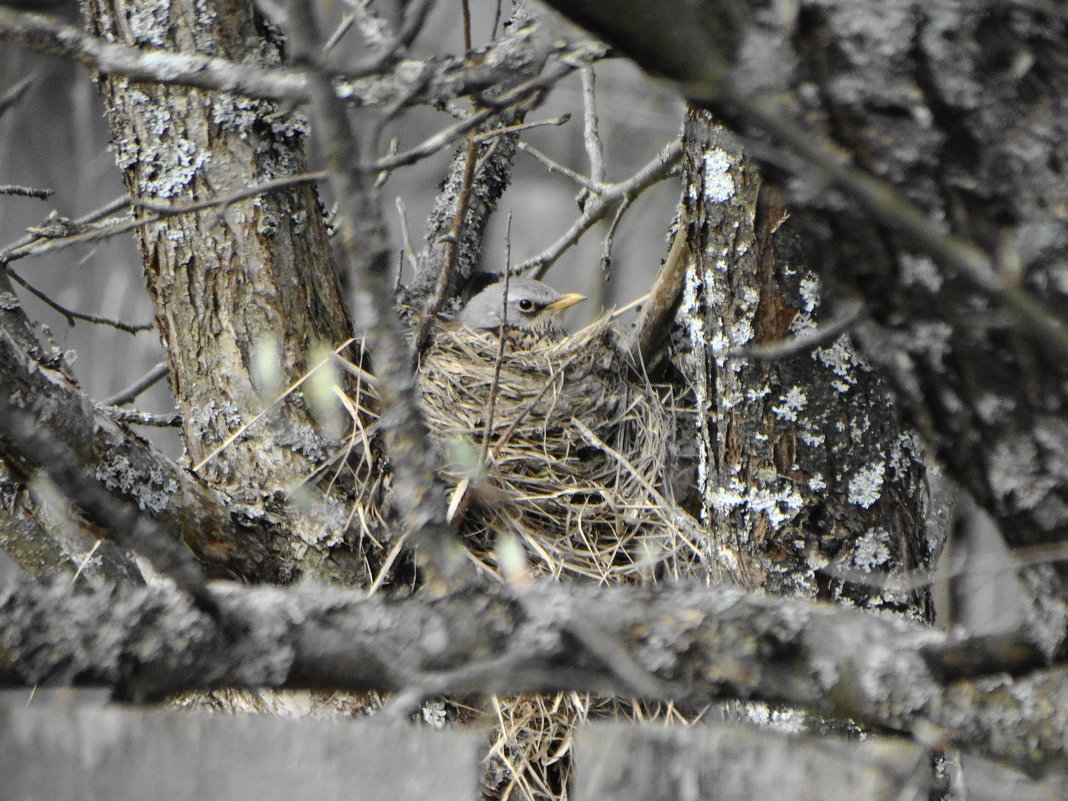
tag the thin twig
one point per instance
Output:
(522, 126)
(590, 134)
(472, 677)
(169, 209)
(385, 51)
(383, 176)
(136, 417)
(12, 96)
(15, 250)
(803, 342)
(406, 239)
(986, 566)
(339, 32)
(415, 14)
(616, 658)
(557, 167)
(281, 396)
(131, 392)
(26, 191)
(502, 338)
(37, 245)
(40, 245)
(452, 238)
(446, 136)
(465, 10)
(655, 171)
(606, 247)
(72, 315)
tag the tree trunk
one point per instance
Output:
(247, 296)
(811, 486)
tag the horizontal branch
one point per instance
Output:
(417, 82)
(697, 644)
(149, 64)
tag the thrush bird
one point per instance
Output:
(527, 314)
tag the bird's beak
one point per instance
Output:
(565, 302)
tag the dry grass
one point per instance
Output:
(562, 449)
(575, 462)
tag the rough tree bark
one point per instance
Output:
(247, 295)
(921, 151)
(805, 473)
(693, 643)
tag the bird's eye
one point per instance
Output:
(526, 304)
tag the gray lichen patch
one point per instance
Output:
(148, 22)
(165, 158)
(866, 484)
(153, 492)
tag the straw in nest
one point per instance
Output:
(575, 458)
(565, 451)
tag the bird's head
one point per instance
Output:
(530, 306)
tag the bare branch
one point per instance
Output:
(659, 310)
(80, 231)
(416, 81)
(13, 95)
(72, 315)
(128, 468)
(34, 244)
(41, 33)
(419, 493)
(695, 644)
(557, 167)
(805, 341)
(140, 385)
(26, 191)
(590, 132)
(120, 522)
(139, 418)
(652, 173)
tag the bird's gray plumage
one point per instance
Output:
(531, 306)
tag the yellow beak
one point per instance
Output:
(565, 302)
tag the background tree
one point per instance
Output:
(872, 246)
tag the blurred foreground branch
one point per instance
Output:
(700, 643)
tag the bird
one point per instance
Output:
(527, 315)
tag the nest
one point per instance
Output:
(562, 448)
(558, 447)
(530, 757)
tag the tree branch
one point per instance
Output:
(418, 493)
(416, 81)
(700, 644)
(598, 208)
(119, 522)
(128, 468)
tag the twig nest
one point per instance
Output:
(559, 447)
